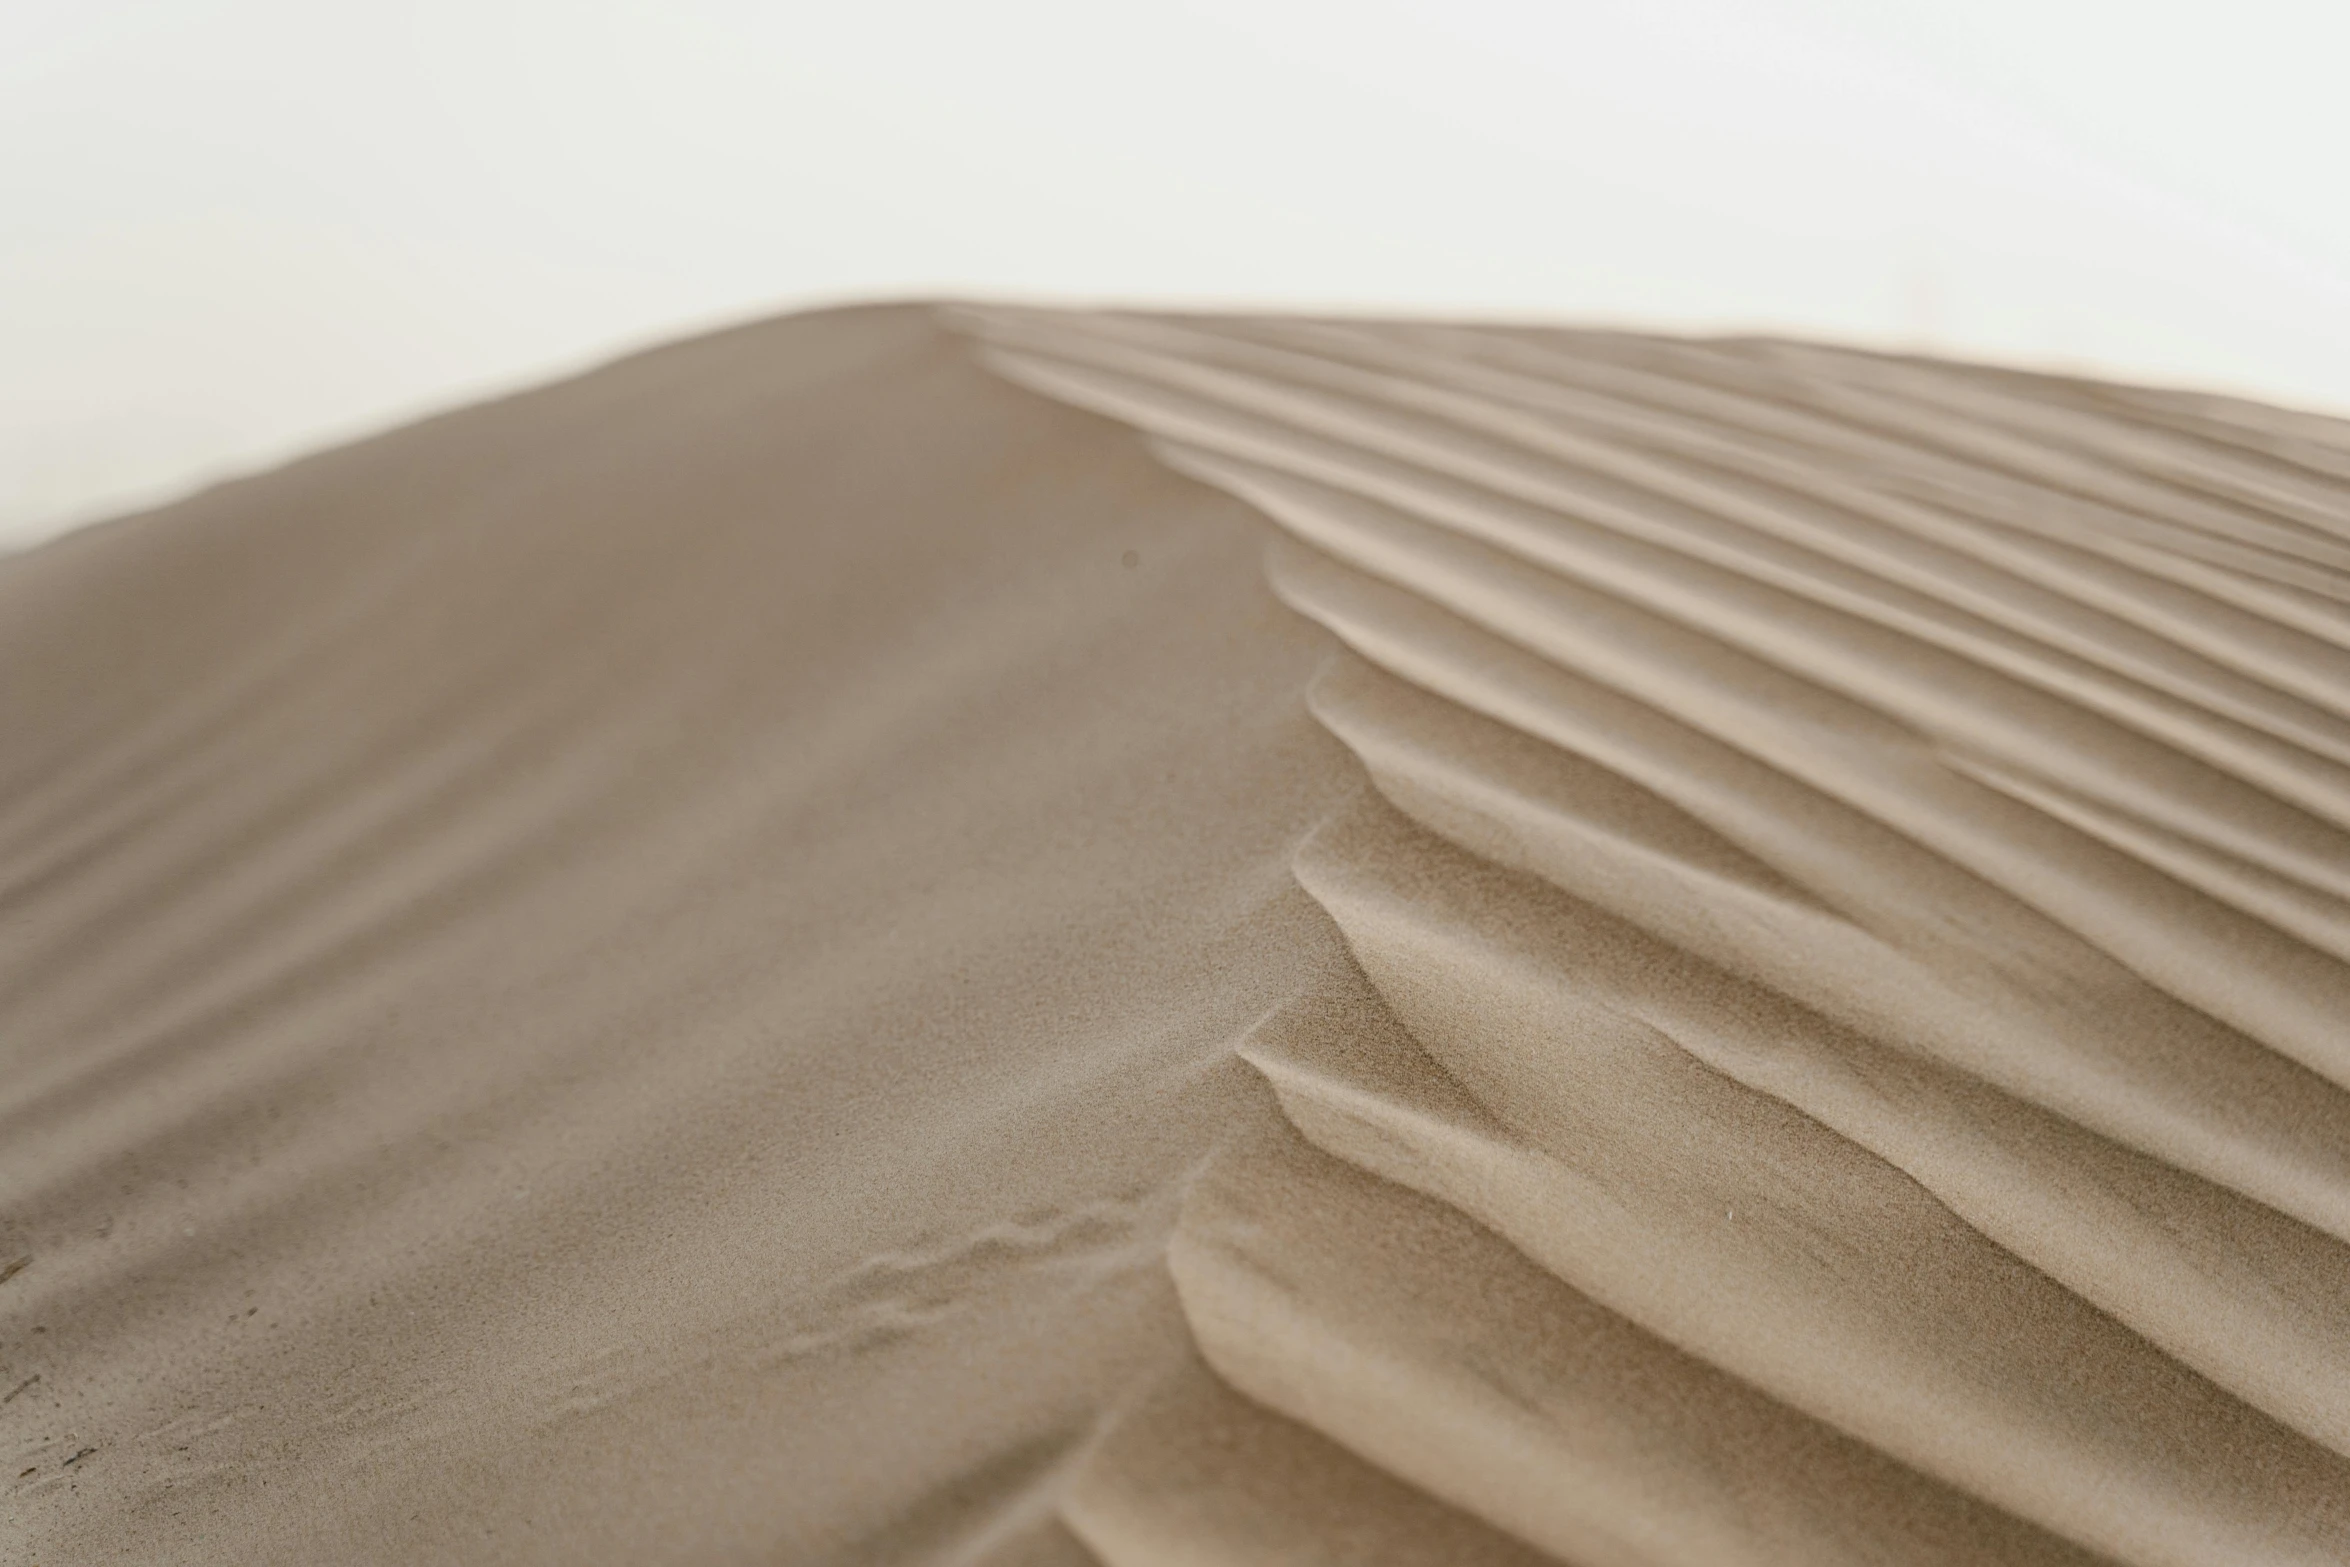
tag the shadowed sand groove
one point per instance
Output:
(1859, 918)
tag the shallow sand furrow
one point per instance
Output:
(2315, 916)
(2246, 1296)
(1400, 1329)
(1439, 370)
(1880, 395)
(1825, 618)
(2315, 447)
(2207, 953)
(1938, 960)
(2188, 645)
(1838, 554)
(1762, 1241)
(1737, 394)
(2197, 775)
(2275, 463)
(1916, 950)
(2298, 515)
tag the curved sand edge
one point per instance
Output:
(1860, 907)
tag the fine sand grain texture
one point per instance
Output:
(982, 936)
(633, 974)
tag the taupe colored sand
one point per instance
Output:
(986, 937)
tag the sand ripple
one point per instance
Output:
(1856, 919)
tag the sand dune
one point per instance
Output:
(997, 936)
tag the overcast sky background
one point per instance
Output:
(233, 229)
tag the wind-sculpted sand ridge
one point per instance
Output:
(1862, 895)
(1453, 1359)
(1009, 938)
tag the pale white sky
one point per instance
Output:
(230, 229)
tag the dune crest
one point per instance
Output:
(1856, 1058)
(1424, 944)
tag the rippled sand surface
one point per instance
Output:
(1002, 936)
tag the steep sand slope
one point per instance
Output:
(1423, 945)
(631, 974)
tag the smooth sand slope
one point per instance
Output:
(987, 937)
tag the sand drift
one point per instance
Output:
(982, 935)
